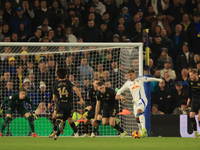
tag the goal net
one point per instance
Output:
(34, 65)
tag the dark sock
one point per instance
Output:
(118, 128)
(58, 122)
(199, 122)
(5, 123)
(54, 125)
(86, 128)
(194, 124)
(96, 125)
(73, 126)
(64, 125)
(58, 133)
(30, 121)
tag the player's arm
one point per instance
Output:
(148, 79)
(55, 99)
(121, 90)
(189, 94)
(79, 95)
(50, 98)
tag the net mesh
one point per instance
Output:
(34, 67)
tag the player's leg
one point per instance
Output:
(96, 124)
(30, 119)
(86, 123)
(54, 124)
(73, 126)
(194, 110)
(8, 118)
(137, 118)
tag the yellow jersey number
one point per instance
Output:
(63, 92)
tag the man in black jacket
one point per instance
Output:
(92, 33)
(107, 34)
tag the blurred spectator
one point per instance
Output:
(19, 17)
(45, 56)
(100, 70)
(154, 85)
(2, 20)
(92, 33)
(11, 68)
(155, 111)
(137, 35)
(51, 66)
(70, 66)
(33, 83)
(156, 45)
(184, 78)
(51, 36)
(36, 5)
(91, 17)
(27, 10)
(14, 37)
(196, 59)
(125, 3)
(127, 17)
(41, 109)
(99, 7)
(162, 97)
(189, 29)
(111, 8)
(7, 39)
(97, 76)
(179, 37)
(108, 61)
(23, 34)
(22, 60)
(5, 30)
(110, 24)
(18, 78)
(43, 13)
(106, 76)
(196, 22)
(107, 35)
(77, 28)
(86, 86)
(178, 95)
(5, 58)
(15, 4)
(37, 37)
(59, 32)
(150, 11)
(167, 68)
(160, 20)
(135, 6)
(1, 35)
(116, 38)
(183, 109)
(131, 26)
(8, 90)
(43, 93)
(30, 66)
(152, 68)
(5, 79)
(114, 74)
(108, 84)
(71, 78)
(169, 82)
(61, 56)
(91, 60)
(186, 58)
(156, 31)
(8, 12)
(45, 22)
(58, 12)
(163, 57)
(69, 35)
(85, 70)
(121, 32)
(167, 42)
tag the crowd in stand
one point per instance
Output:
(174, 45)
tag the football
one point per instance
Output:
(136, 134)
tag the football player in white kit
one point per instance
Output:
(136, 87)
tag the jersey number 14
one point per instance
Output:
(63, 92)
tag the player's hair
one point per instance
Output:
(61, 73)
(100, 83)
(194, 71)
(131, 71)
(95, 80)
(23, 89)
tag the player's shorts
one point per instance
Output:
(64, 111)
(91, 112)
(20, 110)
(139, 104)
(110, 111)
(195, 106)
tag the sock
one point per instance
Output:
(194, 124)
(64, 125)
(96, 125)
(30, 121)
(54, 125)
(139, 126)
(85, 128)
(58, 133)
(142, 120)
(58, 122)
(118, 128)
(5, 123)
(73, 126)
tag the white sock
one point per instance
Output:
(142, 121)
(139, 126)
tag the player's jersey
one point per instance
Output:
(92, 97)
(51, 94)
(64, 91)
(136, 87)
(108, 98)
(194, 90)
(15, 101)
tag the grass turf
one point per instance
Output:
(99, 143)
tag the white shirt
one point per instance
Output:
(136, 87)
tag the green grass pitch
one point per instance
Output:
(99, 143)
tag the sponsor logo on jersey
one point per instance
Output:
(135, 87)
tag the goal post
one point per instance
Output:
(84, 61)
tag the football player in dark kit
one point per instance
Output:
(91, 107)
(63, 98)
(194, 97)
(110, 107)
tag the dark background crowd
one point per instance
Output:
(174, 45)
